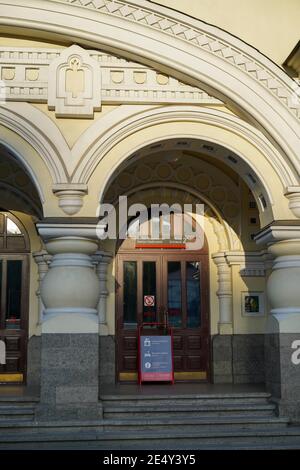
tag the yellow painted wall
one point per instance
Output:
(271, 26)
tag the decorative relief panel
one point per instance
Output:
(75, 81)
(74, 87)
(182, 169)
(139, 14)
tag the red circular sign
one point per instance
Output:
(149, 301)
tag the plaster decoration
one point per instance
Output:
(198, 53)
(42, 134)
(293, 195)
(42, 259)
(185, 170)
(225, 291)
(102, 259)
(252, 264)
(70, 197)
(76, 81)
(221, 234)
(106, 138)
(164, 20)
(74, 87)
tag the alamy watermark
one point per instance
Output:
(296, 354)
(157, 223)
(2, 353)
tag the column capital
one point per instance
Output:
(57, 227)
(70, 196)
(293, 195)
(224, 293)
(279, 230)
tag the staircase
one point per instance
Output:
(162, 421)
(17, 409)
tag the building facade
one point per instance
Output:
(102, 99)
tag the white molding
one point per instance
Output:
(252, 264)
(66, 100)
(275, 233)
(105, 135)
(50, 231)
(41, 74)
(42, 134)
(199, 53)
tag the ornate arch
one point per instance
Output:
(197, 52)
(112, 147)
(103, 135)
(42, 134)
(226, 236)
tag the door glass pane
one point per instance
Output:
(193, 294)
(13, 294)
(149, 291)
(130, 293)
(174, 293)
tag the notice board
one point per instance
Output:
(156, 361)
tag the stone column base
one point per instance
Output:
(69, 377)
(282, 375)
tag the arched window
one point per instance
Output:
(13, 237)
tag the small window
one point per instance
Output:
(12, 228)
(13, 237)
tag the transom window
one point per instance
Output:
(13, 237)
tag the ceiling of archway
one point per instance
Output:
(178, 168)
(17, 192)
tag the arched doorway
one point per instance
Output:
(14, 275)
(158, 281)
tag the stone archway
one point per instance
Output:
(186, 47)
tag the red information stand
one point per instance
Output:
(159, 348)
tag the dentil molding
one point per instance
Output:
(155, 17)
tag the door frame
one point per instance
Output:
(149, 254)
(22, 254)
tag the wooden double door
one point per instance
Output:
(155, 286)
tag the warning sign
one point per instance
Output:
(156, 362)
(149, 300)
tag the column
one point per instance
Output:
(224, 293)
(282, 339)
(70, 329)
(106, 340)
(222, 343)
(42, 259)
(102, 260)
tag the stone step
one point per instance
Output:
(191, 399)
(147, 424)
(189, 424)
(16, 413)
(183, 410)
(288, 437)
